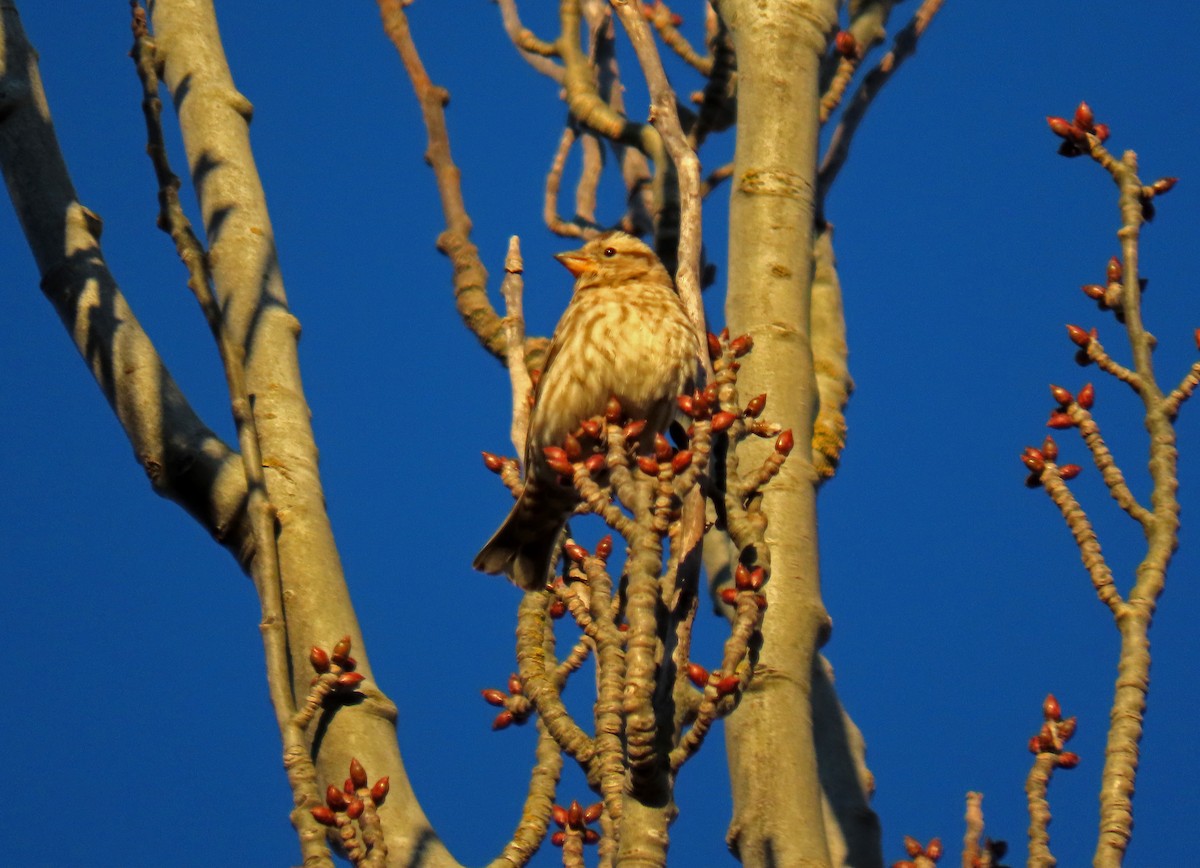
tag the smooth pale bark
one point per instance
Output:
(214, 119)
(770, 737)
(183, 459)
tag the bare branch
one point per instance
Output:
(183, 459)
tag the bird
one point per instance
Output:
(624, 334)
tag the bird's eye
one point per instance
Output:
(610, 251)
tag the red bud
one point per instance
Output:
(1050, 448)
(933, 850)
(697, 674)
(557, 609)
(380, 790)
(1093, 291)
(559, 813)
(1069, 471)
(1078, 336)
(648, 465)
(1035, 745)
(729, 596)
(1101, 132)
(1068, 760)
(591, 427)
(1034, 461)
(612, 410)
(571, 447)
(558, 837)
(575, 814)
(1196, 338)
(757, 577)
(714, 346)
(355, 808)
(1087, 397)
(604, 547)
(681, 461)
(595, 463)
(1084, 119)
(760, 601)
(741, 577)
(1060, 421)
(335, 798)
(741, 345)
(727, 685)
(846, 44)
(785, 442)
(591, 836)
(515, 685)
(350, 680)
(1050, 708)
(1061, 395)
(357, 773)
(492, 696)
(722, 420)
(502, 720)
(1062, 128)
(634, 429)
(342, 647)
(662, 449)
(324, 816)
(493, 462)
(556, 460)
(912, 846)
(593, 811)
(687, 404)
(756, 405)
(1115, 270)
(1163, 185)
(1066, 729)
(319, 660)
(575, 552)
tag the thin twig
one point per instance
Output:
(514, 327)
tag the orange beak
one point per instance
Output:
(576, 263)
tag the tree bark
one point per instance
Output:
(770, 737)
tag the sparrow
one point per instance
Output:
(624, 334)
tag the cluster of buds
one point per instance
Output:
(516, 706)
(919, 854)
(746, 581)
(1055, 732)
(573, 822)
(1108, 295)
(355, 803)
(578, 553)
(337, 663)
(1060, 418)
(1036, 459)
(1075, 133)
(723, 684)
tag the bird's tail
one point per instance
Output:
(522, 548)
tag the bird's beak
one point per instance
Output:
(576, 263)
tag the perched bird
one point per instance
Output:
(624, 333)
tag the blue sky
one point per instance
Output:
(139, 711)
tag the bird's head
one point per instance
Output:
(614, 259)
